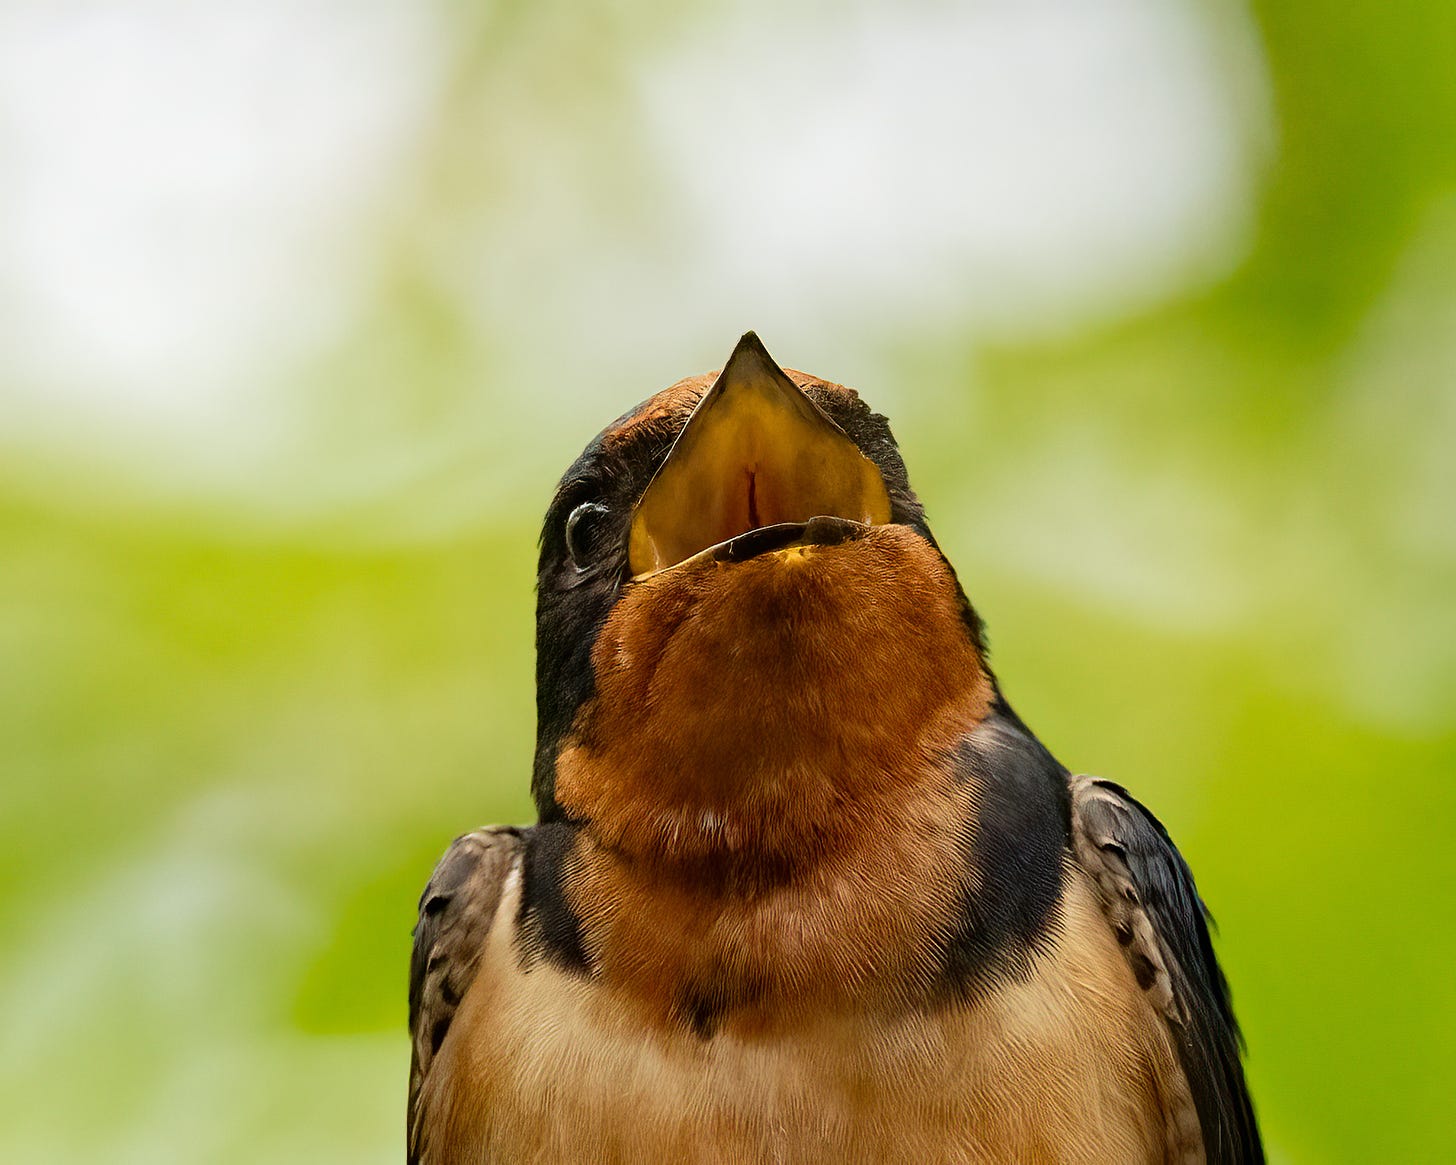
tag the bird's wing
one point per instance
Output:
(1153, 906)
(456, 912)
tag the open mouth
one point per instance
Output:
(758, 467)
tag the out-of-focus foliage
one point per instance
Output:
(303, 308)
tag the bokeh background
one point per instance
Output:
(304, 305)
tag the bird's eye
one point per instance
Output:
(584, 529)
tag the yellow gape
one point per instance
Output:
(756, 452)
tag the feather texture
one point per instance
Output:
(457, 911)
(1153, 906)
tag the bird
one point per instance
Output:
(803, 887)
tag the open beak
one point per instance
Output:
(755, 453)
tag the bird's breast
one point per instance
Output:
(1068, 1065)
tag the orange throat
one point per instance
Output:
(764, 713)
(773, 823)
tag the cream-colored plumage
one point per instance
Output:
(1074, 1065)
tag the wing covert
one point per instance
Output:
(456, 912)
(1153, 905)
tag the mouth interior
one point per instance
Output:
(757, 456)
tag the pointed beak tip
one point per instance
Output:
(750, 361)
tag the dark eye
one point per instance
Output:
(584, 529)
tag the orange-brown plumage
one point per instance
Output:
(835, 632)
(766, 774)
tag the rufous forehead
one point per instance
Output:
(674, 404)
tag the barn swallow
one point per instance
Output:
(803, 887)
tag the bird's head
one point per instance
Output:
(744, 623)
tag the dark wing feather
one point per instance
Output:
(1162, 923)
(456, 912)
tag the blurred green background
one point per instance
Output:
(304, 306)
